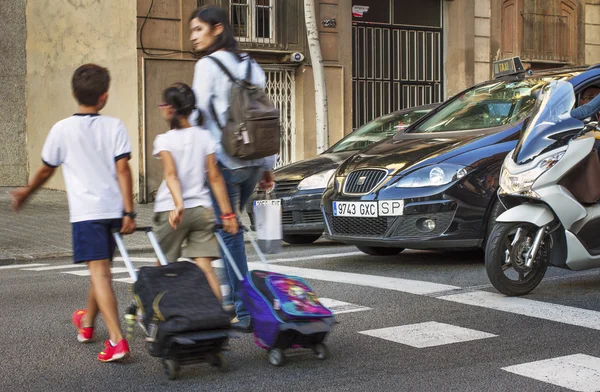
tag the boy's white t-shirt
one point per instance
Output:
(87, 147)
(189, 148)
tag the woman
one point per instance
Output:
(212, 35)
(183, 205)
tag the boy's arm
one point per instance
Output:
(174, 185)
(126, 184)
(20, 195)
(219, 189)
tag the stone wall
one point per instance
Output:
(61, 36)
(592, 32)
(13, 72)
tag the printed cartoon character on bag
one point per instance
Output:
(304, 300)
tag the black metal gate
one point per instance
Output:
(394, 67)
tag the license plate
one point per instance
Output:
(355, 208)
(368, 209)
(391, 207)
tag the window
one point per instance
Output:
(492, 105)
(376, 130)
(253, 20)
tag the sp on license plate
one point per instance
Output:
(368, 209)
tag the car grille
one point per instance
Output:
(286, 186)
(312, 216)
(363, 181)
(296, 217)
(287, 218)
(359, 227)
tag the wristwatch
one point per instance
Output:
(132, 214)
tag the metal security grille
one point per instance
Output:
(363, 181)
(394, 68)
(280, 89)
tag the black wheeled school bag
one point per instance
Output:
(177, 298)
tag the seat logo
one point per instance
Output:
(361, 180)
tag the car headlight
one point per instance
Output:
(521, 183)
(436, 175)
(317, 181)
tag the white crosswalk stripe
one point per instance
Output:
(16, 266)
(577, 372)
(527, 307)
(428, 334)
(56, 267)
(116, 270)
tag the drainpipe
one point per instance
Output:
(314, 46)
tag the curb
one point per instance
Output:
(25, 258)
(17, 259)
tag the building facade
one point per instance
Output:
(379, 56)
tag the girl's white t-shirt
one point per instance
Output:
(189, 148)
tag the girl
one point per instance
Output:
(183, 206)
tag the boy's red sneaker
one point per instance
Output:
(114, 353)
(86, 334)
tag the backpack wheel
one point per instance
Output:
(321, 351)
(218, 360)
(276, 357)
(171, 368)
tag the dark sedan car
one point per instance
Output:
(434, 185)
(300, 185)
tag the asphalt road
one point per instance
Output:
(420, 321)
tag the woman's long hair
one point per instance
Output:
(181, 98)
(213, 15)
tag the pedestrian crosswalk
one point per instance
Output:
(577, 372)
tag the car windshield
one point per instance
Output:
(492, 105)
(378, 129)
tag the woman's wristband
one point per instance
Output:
(231, 215)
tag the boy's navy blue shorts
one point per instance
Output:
(93, 240)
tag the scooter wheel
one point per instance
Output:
(276, 357)
(172, 368)
(321, 351)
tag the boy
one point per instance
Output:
(94, 152)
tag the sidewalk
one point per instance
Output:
(42, 228)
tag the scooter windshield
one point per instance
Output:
(550, 123)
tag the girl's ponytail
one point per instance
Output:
(181, 98)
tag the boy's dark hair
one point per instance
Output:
(213, 15)
(181, 97)
(89, 82)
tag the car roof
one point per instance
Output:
(429, 106)
(577, 74)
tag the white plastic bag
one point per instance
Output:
(267, 222)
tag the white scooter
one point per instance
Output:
(550, 185)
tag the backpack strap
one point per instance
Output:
(224, 69)
(249, 70)
(233, 79)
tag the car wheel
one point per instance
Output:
(379, 251)
(303, 239)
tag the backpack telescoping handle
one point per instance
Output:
(227, 253)
(125, 254)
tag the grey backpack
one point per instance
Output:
(252, 128)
